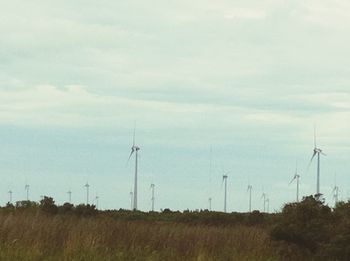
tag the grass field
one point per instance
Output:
(35, 236)
(309, 230)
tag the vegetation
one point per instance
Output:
(308, 230)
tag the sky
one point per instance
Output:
(211, 86)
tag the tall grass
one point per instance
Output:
(35, 236)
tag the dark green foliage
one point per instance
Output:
(85, 210)
(47, 204)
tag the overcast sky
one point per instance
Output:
(247, 78)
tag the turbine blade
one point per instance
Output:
(313, 156)
(292, 180)
(324, 154)
(132, 151)
(133, 138)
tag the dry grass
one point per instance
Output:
(29, 236)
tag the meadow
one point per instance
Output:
(44, 231)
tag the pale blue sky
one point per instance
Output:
(249, 78)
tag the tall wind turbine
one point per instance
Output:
(10, 195)
(26, 188)
(69, 192)
(152, 198)
(317, 152)
(296, 177)
(87, 186)
(250, 187)
(224, 180)
(135, 149)
(209, 200)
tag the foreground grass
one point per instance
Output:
(37, 236)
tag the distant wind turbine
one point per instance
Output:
(135, 149)
(69, 192)
(250, 187)
(152, 198)
(26, 188)
(268, 204)
(10, 195)
(336, 194)
(296, 177)
(87, 186)
(317, 151)
(263, 196)
(131, 200)
(209, 200)
(96, 201)
(224, 180)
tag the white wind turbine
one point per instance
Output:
(209, 201)
(224, 180)
(297, 178)
(135, 149)
(250, 187)
(87, 186)
(152, 198)
(317, 152)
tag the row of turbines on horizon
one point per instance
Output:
(317, 152)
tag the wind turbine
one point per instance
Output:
(96, 201)
(250, 187)
(224, 179)
(131, 199)
(296, 177)
(69, 192)
(26, 187)
(152, 198)
(317, 152)
(263, 196)
(10, 195)
(87, 186)
(268, 204)
(209, 200)
(336, 194)
(135, 149)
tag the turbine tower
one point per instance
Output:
(317, 152)
(69, 192)
(336, 194)
(96, 201)
(209, 203)
(87, 186)
(26, 188)
(263, 196)
(135, 149)
(250, 187)
(224, 180)
(268, 204)
(10, 195)
(131, 199)
(296, 177)
(152, 198)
